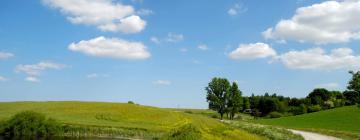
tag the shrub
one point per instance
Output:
(275, 114)
(314, 108)
(185, 132)
(131, 102)
(29, 123)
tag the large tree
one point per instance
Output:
(217, 94)
(234, 100)
(354, 83)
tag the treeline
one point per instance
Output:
(226, 99)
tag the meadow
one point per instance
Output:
(342, 122)
(123, 120)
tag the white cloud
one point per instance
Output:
(326, 22)
(97, 75)
(155, 40)
(330, 86)
(145, 12)
(5, 55)
(111, 47)
(36, 69)
(171, 37)
(237, 9)
(252, 51)
(318, 59)
(203, 47)
(162, 82)
(3, 79)
(106, 15)
(32, 79)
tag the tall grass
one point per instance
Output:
(272, 133)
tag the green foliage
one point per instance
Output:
(223, 97)
(275, 114)
(352, 97)
(234, 100)
(354, 83)
(217, 92)
(29, 123)
(131, 102)
(186, 132)
(318, 96)
(314, 108)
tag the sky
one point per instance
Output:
(163, 53)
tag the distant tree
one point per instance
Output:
(351, 97)
(246, 103)
(131, 102)
(234, 100)
(318, 96)
(217, 94)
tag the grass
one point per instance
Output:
(271, 132)
(342, 122)
(124, 120)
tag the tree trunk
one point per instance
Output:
(221, 116)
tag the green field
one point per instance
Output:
(124, 120)
(343, 122)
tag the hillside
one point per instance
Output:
(123, 120)
(339, 121)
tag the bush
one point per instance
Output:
(275, 115)
(185, 132)
(314, 108)
(29, 123)
(131, 102)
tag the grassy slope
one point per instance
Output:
(124, 116)
(338, 122)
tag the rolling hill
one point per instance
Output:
(124, 120)
(342, 122)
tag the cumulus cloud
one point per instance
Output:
(32, 79)
(252, 51)
(5, 55)
(326, 22)
(203, 47)
(319, 59)
(162, 82)
(106, 15)
(36, 69)
(236, 9)
(171, 37)
(112, 48)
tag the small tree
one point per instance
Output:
(217, 93)
(235, 101)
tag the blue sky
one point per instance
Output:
(163, 53)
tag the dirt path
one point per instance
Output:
(313, 136)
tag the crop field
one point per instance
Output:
(124, 120)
